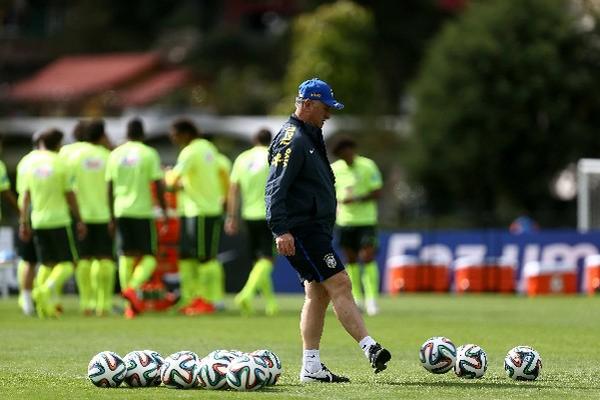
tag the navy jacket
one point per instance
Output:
(300, 188)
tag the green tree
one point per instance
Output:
(506, 98)
(403, 29)
(333, 43)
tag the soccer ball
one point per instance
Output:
(273, 365)
(523, 363)
(213, 369)
(247, 373)
(180, 370)
(107, 369)
(438, 355)
(235, 353)
(142, 369)
(471, 362)
(159, 360)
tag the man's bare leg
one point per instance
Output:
(339, 289)
(312, 321)
(312, 318)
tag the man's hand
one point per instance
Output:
(285, 244)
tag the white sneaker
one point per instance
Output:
(322, 375)
(371, 307)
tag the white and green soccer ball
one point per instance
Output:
(247, 373)
(107, 369)
(180, 370)
(213, 369)
(523, 363)
(273, 362)
(142, 369)
(438, 355)
(159, 360)
(471, 362)
(235, 353)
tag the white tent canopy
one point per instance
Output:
(158, 125)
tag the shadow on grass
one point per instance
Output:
(476, 385)
(491, 385)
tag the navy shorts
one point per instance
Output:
(315, 259)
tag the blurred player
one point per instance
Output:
(64, 152)
(197, 173)
(216, 276)
(8, 195)
(131, 170)
(47, 200)
(5, 191)
(95, 272)
(358, 186)
(248, 179)
(26, 248)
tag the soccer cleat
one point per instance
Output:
(378, 357)
(323, 375)
(129, 313)
(58, 309)
(197, 307)
(135, 302)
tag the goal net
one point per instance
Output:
(588, 194)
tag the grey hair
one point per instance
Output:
(300, 100)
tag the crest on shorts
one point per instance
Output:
(330, 260)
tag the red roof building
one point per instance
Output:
(130, 78)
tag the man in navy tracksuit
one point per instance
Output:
(301, 208)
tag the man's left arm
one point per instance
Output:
(7, 194)
(375, 185)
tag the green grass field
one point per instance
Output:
(47, 359)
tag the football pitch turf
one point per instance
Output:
(47, 359)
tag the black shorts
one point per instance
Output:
(357, 237)
(136, 235)
(199, 237)
(26, 250)
(97, 243)
(260, 239)
(315, 259)
(54, 245)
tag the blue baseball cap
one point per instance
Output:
(316, 89)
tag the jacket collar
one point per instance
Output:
(312, 131)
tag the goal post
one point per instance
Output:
(588, 194)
